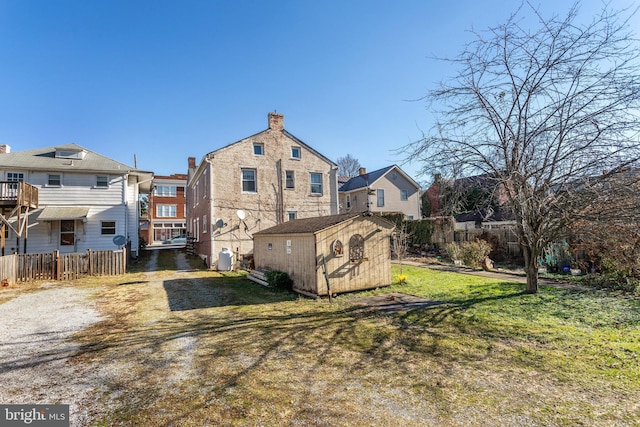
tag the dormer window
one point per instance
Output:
(62, 153)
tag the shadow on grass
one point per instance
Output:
(228, 290)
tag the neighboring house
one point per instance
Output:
(353, 247)
(167, 208)
(253, 184)
(84, 200)
(388, 190)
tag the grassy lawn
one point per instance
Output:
(217, 349)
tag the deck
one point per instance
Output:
(14, 194)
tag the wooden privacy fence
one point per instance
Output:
(55, 266)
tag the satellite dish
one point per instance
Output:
(119, 240)
(241, 214)
(219, 223)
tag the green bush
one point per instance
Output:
(279, 280)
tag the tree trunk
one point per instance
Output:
(531, 270)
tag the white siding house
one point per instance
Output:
(84, 200)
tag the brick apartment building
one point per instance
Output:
(167, 208)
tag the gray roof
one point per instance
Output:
(312, 225)
(44, 159)
(368, 179)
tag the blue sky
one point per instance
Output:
(164, 81)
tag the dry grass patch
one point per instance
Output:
(205, 348)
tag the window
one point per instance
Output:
(296, 153)
(258, 149)
(102, 181)
(54, 180)
(165, 211)
(380, 193)
(404, 194)
(292, 215)
(166, 190)
(249, 181)
(289, 179)
(15, 176)
(67, 232)
(107, 228)
(348, 201)
(204, 223)
(337, 248)
(316, 183)
(356, 248)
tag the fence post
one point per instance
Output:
(89, 263)
(56, 265)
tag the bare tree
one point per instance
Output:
(550, 112)
(348, 166)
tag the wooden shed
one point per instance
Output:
(349, 251)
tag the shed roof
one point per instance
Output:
(312, 225)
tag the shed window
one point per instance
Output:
(337, 248)
(356, 248)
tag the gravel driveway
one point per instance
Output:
(36, 349)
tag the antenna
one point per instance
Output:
(241, 214)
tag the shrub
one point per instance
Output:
(473, 253)
(615, 281)
(453, 251)
(279, 280)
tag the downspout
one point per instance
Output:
(211, 215)
(126, 210)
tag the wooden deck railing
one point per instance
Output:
(14, 193)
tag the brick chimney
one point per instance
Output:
(276, 121)
(362, 171)
(4, 149)
(192, 162)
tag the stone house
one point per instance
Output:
(253, 184)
